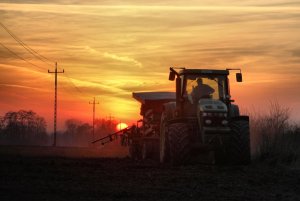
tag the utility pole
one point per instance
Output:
(55, 100)
(110, 121)
(110, 117)
(94, 103)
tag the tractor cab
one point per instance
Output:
(201, 89)
(199, 86)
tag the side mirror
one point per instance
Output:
(239, 77)
(172, 76)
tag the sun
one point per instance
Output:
(121, 126)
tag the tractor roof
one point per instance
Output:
(204, 72)
(142, 97)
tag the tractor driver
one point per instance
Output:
(201, 91)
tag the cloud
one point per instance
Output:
(112, 48)
(139, 9)
(296, 52)
(22, 87)
(123, 58)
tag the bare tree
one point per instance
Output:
(275, 138)
(23, 127)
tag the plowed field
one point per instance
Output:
(38, 177)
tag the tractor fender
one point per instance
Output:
(234, 111)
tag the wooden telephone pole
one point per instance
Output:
(94, 108)
(110, 118)
(55, 101)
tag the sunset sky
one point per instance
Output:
(109, 49)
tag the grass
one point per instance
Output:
(274, 139)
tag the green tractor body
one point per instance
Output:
(203, 119)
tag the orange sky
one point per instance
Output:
(112, 48)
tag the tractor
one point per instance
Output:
(203, 120)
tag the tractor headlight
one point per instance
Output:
(208, 121)
(224, 122)
(208, 114)
(217, 119)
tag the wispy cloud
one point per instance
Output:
(92, 9)
(123, 59)
(111, 48)
(22, 87)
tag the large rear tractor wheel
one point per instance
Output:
(164, 152)
(179, 143)
(240, 142)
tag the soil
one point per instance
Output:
(46, 177)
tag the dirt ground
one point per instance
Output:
(46, 177)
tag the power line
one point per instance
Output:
(23, 59)
(35, 54)
(67, 87)
(75, 90)
(26, 47)
(66, 74)
(74, 85)
(18, 56)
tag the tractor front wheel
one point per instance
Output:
(179, 143)
(240, 142)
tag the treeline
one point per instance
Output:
(78, 133)
(27, 128)
(23, 127)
